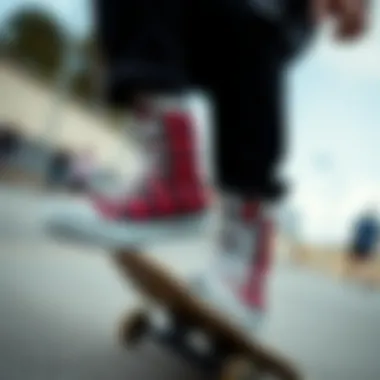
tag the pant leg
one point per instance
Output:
(141, 46)
(250, 134)
(225, 46)
(246, 73)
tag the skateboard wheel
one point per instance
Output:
(134, 327)
(238, 368)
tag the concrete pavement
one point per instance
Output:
(59, 307)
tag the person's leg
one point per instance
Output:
(141, 48)
(249, 147)
(146, 76)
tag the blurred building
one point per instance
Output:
(26, 102)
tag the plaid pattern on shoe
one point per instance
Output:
(175, 188)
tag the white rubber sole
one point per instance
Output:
(80, 223)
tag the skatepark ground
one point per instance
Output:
(60, 304)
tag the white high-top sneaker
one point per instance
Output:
(172, 202)
(235, 281)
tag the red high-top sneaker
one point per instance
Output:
(172, 202)
(236, 280)
(254, 290)
(175, 188)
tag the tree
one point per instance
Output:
(37, 40)
(86, 81)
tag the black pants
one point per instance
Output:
(232, 49)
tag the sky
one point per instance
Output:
(333, 157)
(335, 134)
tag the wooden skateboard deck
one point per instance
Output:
(236, 349)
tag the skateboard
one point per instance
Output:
(230, 353)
